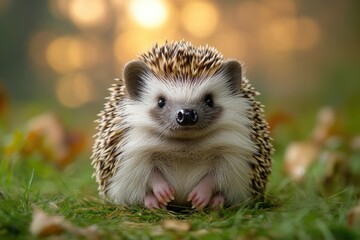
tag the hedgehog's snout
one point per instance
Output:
(186, 117)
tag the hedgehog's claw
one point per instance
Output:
(162, 190)
(217, 201)
(151, 202)
(200, 196)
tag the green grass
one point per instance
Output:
(290, 211)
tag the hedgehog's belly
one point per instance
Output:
(183, 173)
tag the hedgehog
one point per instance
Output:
(182, 128)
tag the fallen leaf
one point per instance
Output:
(43, 225)
(298, 157)
(47, 135)
(75, 142)
(354, 217)
(176, 225)
(327, 125)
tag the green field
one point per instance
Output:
(307, 210)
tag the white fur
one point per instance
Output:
(223, 151)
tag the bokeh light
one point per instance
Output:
(282, 8)
(231, 43)
(97, 37)
(129, 44)
(309, 33)
(262, 32)
(279, 34)
(200, 18)
(85, 13)
(250, 15)
(287, 34)
(74, 90)
(148, 13)
(66, 54)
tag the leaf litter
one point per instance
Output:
(44, 225)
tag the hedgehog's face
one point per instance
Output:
(183, 108)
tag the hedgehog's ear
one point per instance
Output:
(233, 71)
(134, 74)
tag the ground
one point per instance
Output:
(306, 210)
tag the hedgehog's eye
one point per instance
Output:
(209, 100)
(161, 102)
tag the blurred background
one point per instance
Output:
(60, 56)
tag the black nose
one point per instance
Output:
(186, 117)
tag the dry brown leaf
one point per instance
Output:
(176, 225)
(327, 125)
(45, 225)
(354, 217)
(75, 142)
(47, 135)
(298, 157)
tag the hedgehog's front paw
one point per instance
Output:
(151, 202)
(163, 192)
(200, 196)
(217, 201)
